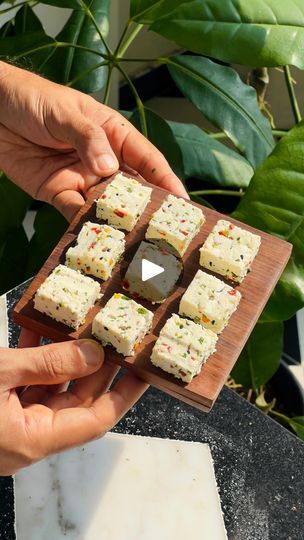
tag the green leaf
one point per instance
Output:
(274, 202)
(73, 4)
(7, 29)
(261, 356)
(13, 206)
(250, 32)
(49, 226)
(13, 259)
(207, 159)
(22, 44)
(67, 64)
(27, 21)
(262, 404)
(148, 11)
(160, 134)
(297, 423)
(227, 102)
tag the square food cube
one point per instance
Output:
(156, 289)
(98, 249)
(229, 250)
(122, 323)
(182, 347)
(123, 202)
(175, 224)
(209, 301)
(67, 296)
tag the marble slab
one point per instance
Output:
(3, 322)
(121, 487)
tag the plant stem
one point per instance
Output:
(124, 46)
(90, 15)
(108, 85)
(122, 37)
(227, 192)
(158, 60)
(279, 132)
(292, 95)
(86, 72)
(284, 418)
(56, 44)
(139, 102)
(6, 10)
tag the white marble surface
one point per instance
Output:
(3, 322)
(121, 487)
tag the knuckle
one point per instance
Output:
(52, 363)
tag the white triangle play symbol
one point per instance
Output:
(150, 269)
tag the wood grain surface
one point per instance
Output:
(255, 289)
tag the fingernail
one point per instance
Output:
(106, 162)
(91, 351)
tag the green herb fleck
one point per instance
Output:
(142, 311)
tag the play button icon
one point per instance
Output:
(149, 270)
(151, 273)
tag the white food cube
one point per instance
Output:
(67, 296)
(229, 250)
(122, 323)
(175, 224)
(98, 249)
(209, 301)
(123, 202)
(182, 347)
(158, 288)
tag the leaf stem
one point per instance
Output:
(85, 73)
(292, 95)
(6, 10)
(108, 85)
(139, 102)
(124, 46)
(90, 15)
(227, 192)
(122, 37)
(279, 132)
(56, 44)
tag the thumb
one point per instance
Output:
(50, 364)
(92, 145)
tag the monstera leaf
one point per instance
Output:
(218, 92)
(207, 159)
(274, 202)
(250, 32)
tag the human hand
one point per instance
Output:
(56, 143)
(44, 417)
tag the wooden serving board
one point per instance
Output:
(255, 289)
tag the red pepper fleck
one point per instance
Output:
(169, 348)
(119, 213)
(193, 358)
(92, 245)
(231, 226)
(185, 233)
(95, 230)
(183, 221)
(164, 344)
(223, 233)
(232, 292)
(103, 196)
(125, 284)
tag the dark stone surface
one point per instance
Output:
(259, 465)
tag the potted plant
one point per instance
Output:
(261, 170)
